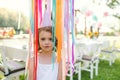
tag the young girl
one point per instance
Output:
(45, 69)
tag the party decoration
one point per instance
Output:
(72, 27)
(58, 18)
(31, 15)
(105, 14)
(36, 38)
(99, 25)
(67, 31)
(31, 44)
(34, 34)
(47, 15)
(95, 18)
(53, 28)
(88, 13)
(96, 34)
(59, 27)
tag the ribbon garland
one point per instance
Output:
(59, 27)
(31, 32)
(66, 27)
(72, 28)
(35, 38)
(31, 15)
(53, 28)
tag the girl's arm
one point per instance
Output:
(60, 71)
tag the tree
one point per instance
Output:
(113, 4)
(9, 18)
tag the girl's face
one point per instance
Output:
(45, 41)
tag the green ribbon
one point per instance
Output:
(53, 29)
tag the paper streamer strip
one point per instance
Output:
(72, 27)
(66, 25)
(59, 27)
(33, 7)
(28, 65)
(53, 28)
(72, 23)
(68, 29)
(36, 38)
(31, 32)
(31, 16)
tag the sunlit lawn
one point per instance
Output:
(106, 72)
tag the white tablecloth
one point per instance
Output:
(15, 48)
(89, 45)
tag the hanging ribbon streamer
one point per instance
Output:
(73, 31)
(66, 26)
(68, 29)
(35, 38)
(31, 15)
(53, 28)
(33, 7)
(59, 27)
(72, 28)
(31, 32)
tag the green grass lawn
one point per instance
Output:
(106, 72)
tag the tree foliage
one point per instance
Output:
(9, 18)
(113, 4)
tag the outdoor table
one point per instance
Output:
(16, 49)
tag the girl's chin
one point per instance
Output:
(49, 50)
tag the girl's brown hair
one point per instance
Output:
(47, 29)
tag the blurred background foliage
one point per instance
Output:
(113, 4)
(9, 18)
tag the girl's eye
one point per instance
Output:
(50, 39)
(42, 39)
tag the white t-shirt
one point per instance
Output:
(47, 71)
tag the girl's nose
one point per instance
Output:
(47, 42)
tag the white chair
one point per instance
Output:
(11, 68)
(76, 66)
(91, 59)
(108, 52)
(116, 48)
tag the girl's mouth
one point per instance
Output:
(47, 46)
